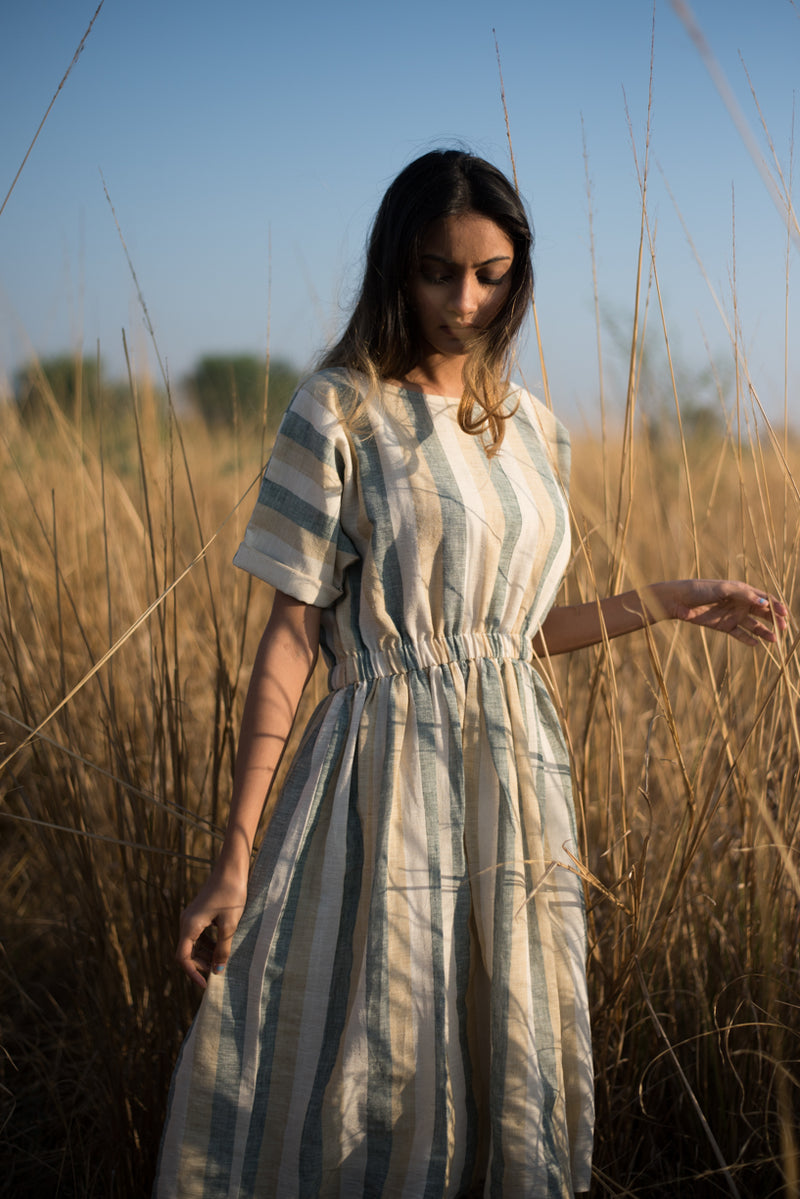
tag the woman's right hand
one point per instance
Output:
(219, 904)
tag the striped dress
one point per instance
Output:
(404, 1012)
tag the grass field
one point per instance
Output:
(686, 757)
(125, 641)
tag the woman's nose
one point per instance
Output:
(464, 295)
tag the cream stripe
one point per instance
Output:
(471, 583)
(456, 1093)
(320, 966)
(276, 898)
(412, 1018)
(183, 1161)
(521, 590)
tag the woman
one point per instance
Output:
(397, 1004)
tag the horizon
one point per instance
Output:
(245, 214)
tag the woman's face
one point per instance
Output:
(463, 280)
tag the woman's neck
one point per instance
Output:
(443, 377)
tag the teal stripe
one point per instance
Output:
(236, 978)
(299, 430)
(497, 734)
(270, 1011)
(512, 534)
(419, 686)
(378, 998)
(504, 1070)
(243, 950)
(556, 491)
(375, 498)
(549, 721)
(462, 947)
(548, 777)
(450, 501)
(292, 511)
(311, 1147)
(546, 1060)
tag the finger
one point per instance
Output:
(203, 950)
(772, 608)
(195, 951)
(185, 959)
(752, 632)
(222, 950)
(764, 633)
(739, 633)
(777, 613)
(766, 624)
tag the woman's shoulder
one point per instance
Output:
(324, 398)
(325, 385)
(543, 419)
(335, 389)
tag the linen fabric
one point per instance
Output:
(404, 1012)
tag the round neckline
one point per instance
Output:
(398, 389)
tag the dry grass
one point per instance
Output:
(108, 811)
(686, 755)
(685, 747)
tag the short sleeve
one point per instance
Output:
(294, 539)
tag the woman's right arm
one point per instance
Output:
(284, 661)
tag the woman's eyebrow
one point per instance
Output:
(477, 265)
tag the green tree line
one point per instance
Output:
(223, 389)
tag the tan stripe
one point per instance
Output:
(307, 978)
(187, 1134)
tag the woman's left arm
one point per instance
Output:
(742, 611)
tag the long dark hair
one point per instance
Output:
(381, 339)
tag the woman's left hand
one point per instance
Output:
(730, 606)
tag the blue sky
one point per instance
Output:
(247, 144)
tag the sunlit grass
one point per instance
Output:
(116, 590)
(686, 757)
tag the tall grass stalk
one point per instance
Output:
(687, 767)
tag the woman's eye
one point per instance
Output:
(484, 282)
